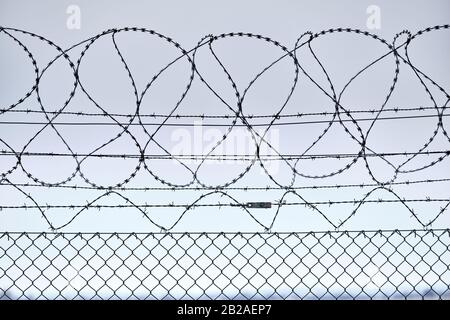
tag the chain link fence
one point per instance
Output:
(395, 264)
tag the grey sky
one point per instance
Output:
(187, 22)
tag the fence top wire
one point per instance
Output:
(352, 121)
(314, 233)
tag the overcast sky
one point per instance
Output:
(104, 78)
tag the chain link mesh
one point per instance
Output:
(411, 264)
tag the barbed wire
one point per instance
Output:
(208, 116)
(217, 157)
(237, 117)
(233, 203)
(66, 123)
(246, 188)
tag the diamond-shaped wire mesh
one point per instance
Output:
(314, 265)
